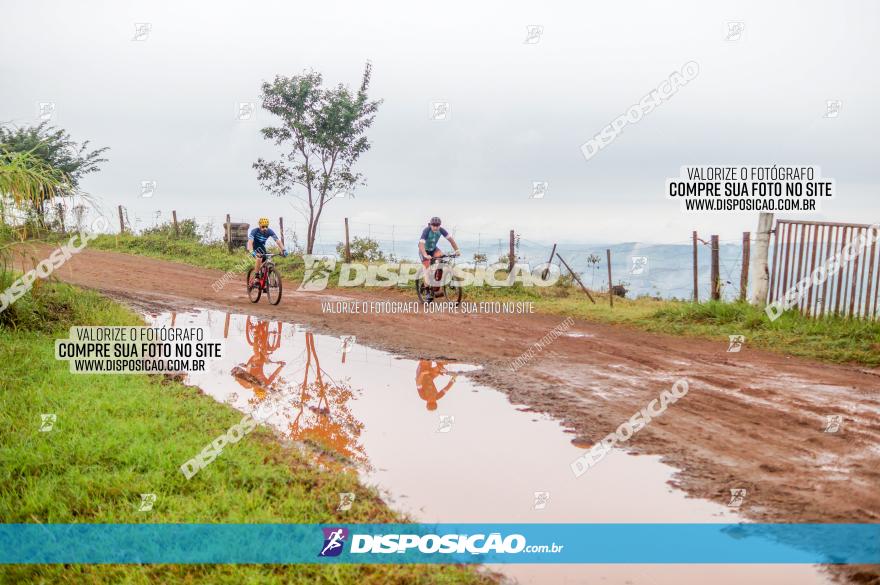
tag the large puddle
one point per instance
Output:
(444, 449)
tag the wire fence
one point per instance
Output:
(659, 270)
(642, 269)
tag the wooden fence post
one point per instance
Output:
(59, 208)
(176, 227)
(511, 258)
(575, 276)
(610, 286)
(744, 274)
(760, 273)
(121, 221)
(229, 233)
(546, 270)
(716, 273)
(347, 244)
(696, 270)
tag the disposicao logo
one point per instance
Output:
(425, 544)
(334, 541)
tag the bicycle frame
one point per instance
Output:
(439, 263)
(259, 282)
(264, 267)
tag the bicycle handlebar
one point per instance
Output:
(444, 256)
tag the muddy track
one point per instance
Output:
(751, 419)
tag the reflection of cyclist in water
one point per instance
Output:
(264, 341)
(427, 371)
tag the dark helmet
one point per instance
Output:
(434, 221)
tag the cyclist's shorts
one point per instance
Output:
(435, 252)
(260, 251)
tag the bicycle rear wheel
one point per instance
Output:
(255, 291)
(273, 284)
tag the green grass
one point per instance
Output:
(186, 251)
(118, 436)
(836, 340)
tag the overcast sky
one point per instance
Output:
(519, 111)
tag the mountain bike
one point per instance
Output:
(444, 290)
(267, 281)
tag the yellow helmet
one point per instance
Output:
(264, 222)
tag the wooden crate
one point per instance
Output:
(238, 232)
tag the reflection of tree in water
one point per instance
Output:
(316, 409)
(322, 415)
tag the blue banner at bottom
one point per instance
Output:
(441, 543)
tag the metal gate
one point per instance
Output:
(802, 247)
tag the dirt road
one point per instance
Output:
(752, 419)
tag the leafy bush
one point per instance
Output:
(189, 230)
(362, 250)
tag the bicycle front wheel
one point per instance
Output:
(452, 293)
(254, 291)
(273, 286)
(422, 291)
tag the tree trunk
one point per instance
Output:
(314, 220)
(311, 231)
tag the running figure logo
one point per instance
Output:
(47, 422)
(639, 265)
(334, 541)
(737, 497)
(736, 343)
(833, 422)
(147, 501)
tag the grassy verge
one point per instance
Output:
(834, 339)
(116, 437)
(837, 340)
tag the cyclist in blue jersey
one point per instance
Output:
(428, 245)
(257, 242)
